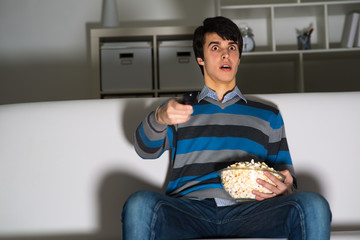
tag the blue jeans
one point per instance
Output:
(151, 215)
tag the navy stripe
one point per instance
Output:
(224, 131)
(260, 106)
(275, 147)
(213, 143)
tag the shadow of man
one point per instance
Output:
(117, 186)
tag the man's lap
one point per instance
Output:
(186, 218)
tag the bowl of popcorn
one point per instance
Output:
(239, 179)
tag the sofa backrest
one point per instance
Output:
(66, 168)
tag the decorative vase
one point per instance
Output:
(110, 14)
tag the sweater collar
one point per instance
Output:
(207, 92)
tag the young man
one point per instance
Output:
(216, 128)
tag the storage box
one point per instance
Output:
(126, 65)
(178, 68)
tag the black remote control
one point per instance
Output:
(189, 98)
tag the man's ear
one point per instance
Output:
(200, 61)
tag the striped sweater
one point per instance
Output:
(217, 135)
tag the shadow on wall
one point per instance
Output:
(135, 112)
(114, 191)
(308, 183)
(111, 197)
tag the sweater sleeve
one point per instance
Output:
(150, 138)
(279, 154)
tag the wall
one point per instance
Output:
(44, 44)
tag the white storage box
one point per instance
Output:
(126, 65)
(178, 68)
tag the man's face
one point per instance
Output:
(221, 61)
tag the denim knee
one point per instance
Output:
(314, 204)
(316, 215)
(139, 204)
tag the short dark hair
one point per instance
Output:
(223, 27)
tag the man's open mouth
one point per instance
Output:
(226, 67)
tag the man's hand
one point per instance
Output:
(280, 188)
(173, 113)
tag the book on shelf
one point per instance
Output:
(357, 35)
(351, 30)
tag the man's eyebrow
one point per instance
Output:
(218, 43)
(214, 42)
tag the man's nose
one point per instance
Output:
(225, 54)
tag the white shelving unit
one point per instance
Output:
(276, 65)
(153, 35)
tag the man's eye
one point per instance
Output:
(214, 48)
(232, 48)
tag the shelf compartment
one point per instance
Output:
(332, 71)
(336, 21)
(328, 1)
(268, 74)
(259, 20)
(135, 95)
(290, 19)
(226, 3)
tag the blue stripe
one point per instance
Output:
(170, 134)
(283, 157)
(181, 181)
(147, 141)
(224, 143)
(237, 109)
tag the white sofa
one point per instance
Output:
(67, 167)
